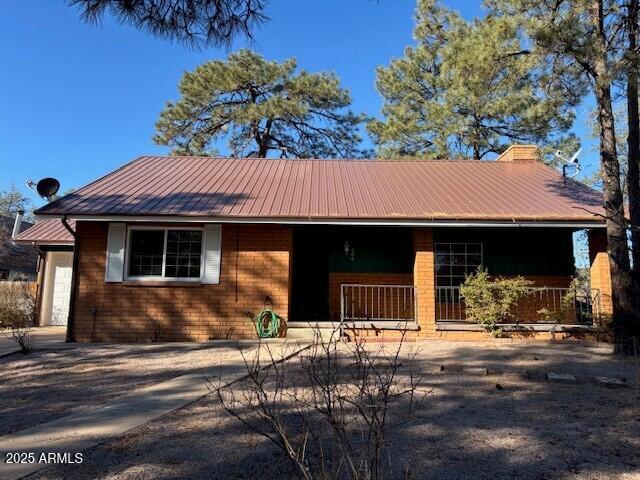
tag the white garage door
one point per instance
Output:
(59, 265)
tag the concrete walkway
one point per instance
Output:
(75, 433)
(43, 337)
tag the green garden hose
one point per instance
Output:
(267, 323)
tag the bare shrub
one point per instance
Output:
(329, 408)
(17, 312)
(158, 331)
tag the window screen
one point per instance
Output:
(454, 260)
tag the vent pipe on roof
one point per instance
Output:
(520, 153)
(17, 224)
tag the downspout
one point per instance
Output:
(42, 265)
(74, 281)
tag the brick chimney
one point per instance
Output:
(520, 153)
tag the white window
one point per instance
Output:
(165, 254)
(455, 260)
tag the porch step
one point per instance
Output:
(308, 334)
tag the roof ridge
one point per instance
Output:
(356, 160)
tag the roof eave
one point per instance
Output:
(37, 243)
(416, 222)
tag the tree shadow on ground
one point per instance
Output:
(463, 427)
(50, 384)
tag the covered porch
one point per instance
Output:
(408, 278)
(562, 296)
(361, 275)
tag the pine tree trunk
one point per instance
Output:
(264, 139)
(263, 150)
(633, 139)
(622, 296)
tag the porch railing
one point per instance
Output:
(541, 305)
(360, 302)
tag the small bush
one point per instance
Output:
(17, 312)
(489, 302)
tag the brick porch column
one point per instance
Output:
(600, 271)
(424, 280)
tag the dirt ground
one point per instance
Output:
(45, 385)
(510, 424)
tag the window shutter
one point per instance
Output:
(212, 238)
(115, 252)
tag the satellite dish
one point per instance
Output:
(48, 187)
(574, 160)
(570, 163)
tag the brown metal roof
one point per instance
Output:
(19, 258)
(46, 232)
(334, 189)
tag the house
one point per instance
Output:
(190, 248)
(54, 243)
(17, 262)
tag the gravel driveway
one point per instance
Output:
(45, 385)
(505, 425)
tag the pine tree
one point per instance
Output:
(632, 59)
(589, 34)
(195, 22)
(464, 90)
(260, 107)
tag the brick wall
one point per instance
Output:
(424, 280)
(600, 272)
(528, 309)
(254, 265)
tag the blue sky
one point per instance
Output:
(80, 100)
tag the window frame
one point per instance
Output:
(162, 278)
(465, 265)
